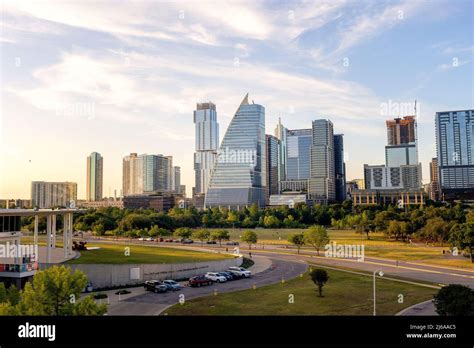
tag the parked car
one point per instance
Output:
(243, 271)
(199, 281)
(169, 240)
(227, 275)
(186, 241)
(172, 285)
(215, 277)
(232, 243)
(149, 239)
(211, 242)
(155, 286)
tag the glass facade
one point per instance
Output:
(455, 148)
(155, 173)
(239, 175)
(207, 142)
(339, 167)
(298, 154)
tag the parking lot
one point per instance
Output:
(149, 303)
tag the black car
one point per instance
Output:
(155, 286)
(227, 275)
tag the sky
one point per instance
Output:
(117, 77)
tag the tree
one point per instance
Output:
(220, 235)
(183, 232)
(271, 222)
(54, 291)
(249, 237)
(316, 236)
(454, 300)
(462, 236)
(319, 277)
(201, 235)
(297, 239)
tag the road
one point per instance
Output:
(148, 303)
(404, 269)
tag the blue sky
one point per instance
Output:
(116, 77)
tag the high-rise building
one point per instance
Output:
(401, 130)
(455, 150)
(322, 187)
(177, 179)
(132, 175)
(339, 167)
(94, 177)
(280, 134)
(53, 194)
(298, 153)
(156, 176)
(273, 147)
(207, 143)
(239, 175)
(434, 180)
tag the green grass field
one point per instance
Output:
(115, 254)
(344, 294)
(377, 246)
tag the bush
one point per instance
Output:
(454, 300)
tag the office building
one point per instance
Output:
(455, 153)
(339, 167)
(239, 175)
(176, 180)
(53, 194)
(156, 173)
(434, 193)
(298, 153)
(281, 135)
(273, 146)
(94, 177)
(322, 188)
(207, 143)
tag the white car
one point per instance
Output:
(215, 277)
(241, 270)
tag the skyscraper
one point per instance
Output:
(434, 180)
(339, 167)
(177, 179)
(298, 153)
(455, 149)
(53, 194)
(132, 175)
(94, 177)
(401, 130)
(280, 134)
(322, 180)
(239, 175)
(155, 173)
(207, 142)
(273, 147)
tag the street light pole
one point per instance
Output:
(380, 272)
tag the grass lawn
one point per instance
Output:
(115, 253)
(344, 294)
(377, 246)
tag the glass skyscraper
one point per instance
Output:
(239, 175)
(156, 176)
(455, 148)
(322, 181)
(339, 167)
(207, 142)
(94, 177)
(298, 154)
(273, 147)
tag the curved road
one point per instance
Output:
(148, 303)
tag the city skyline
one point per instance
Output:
(106, 95)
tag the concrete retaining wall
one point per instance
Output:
(112, 275)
